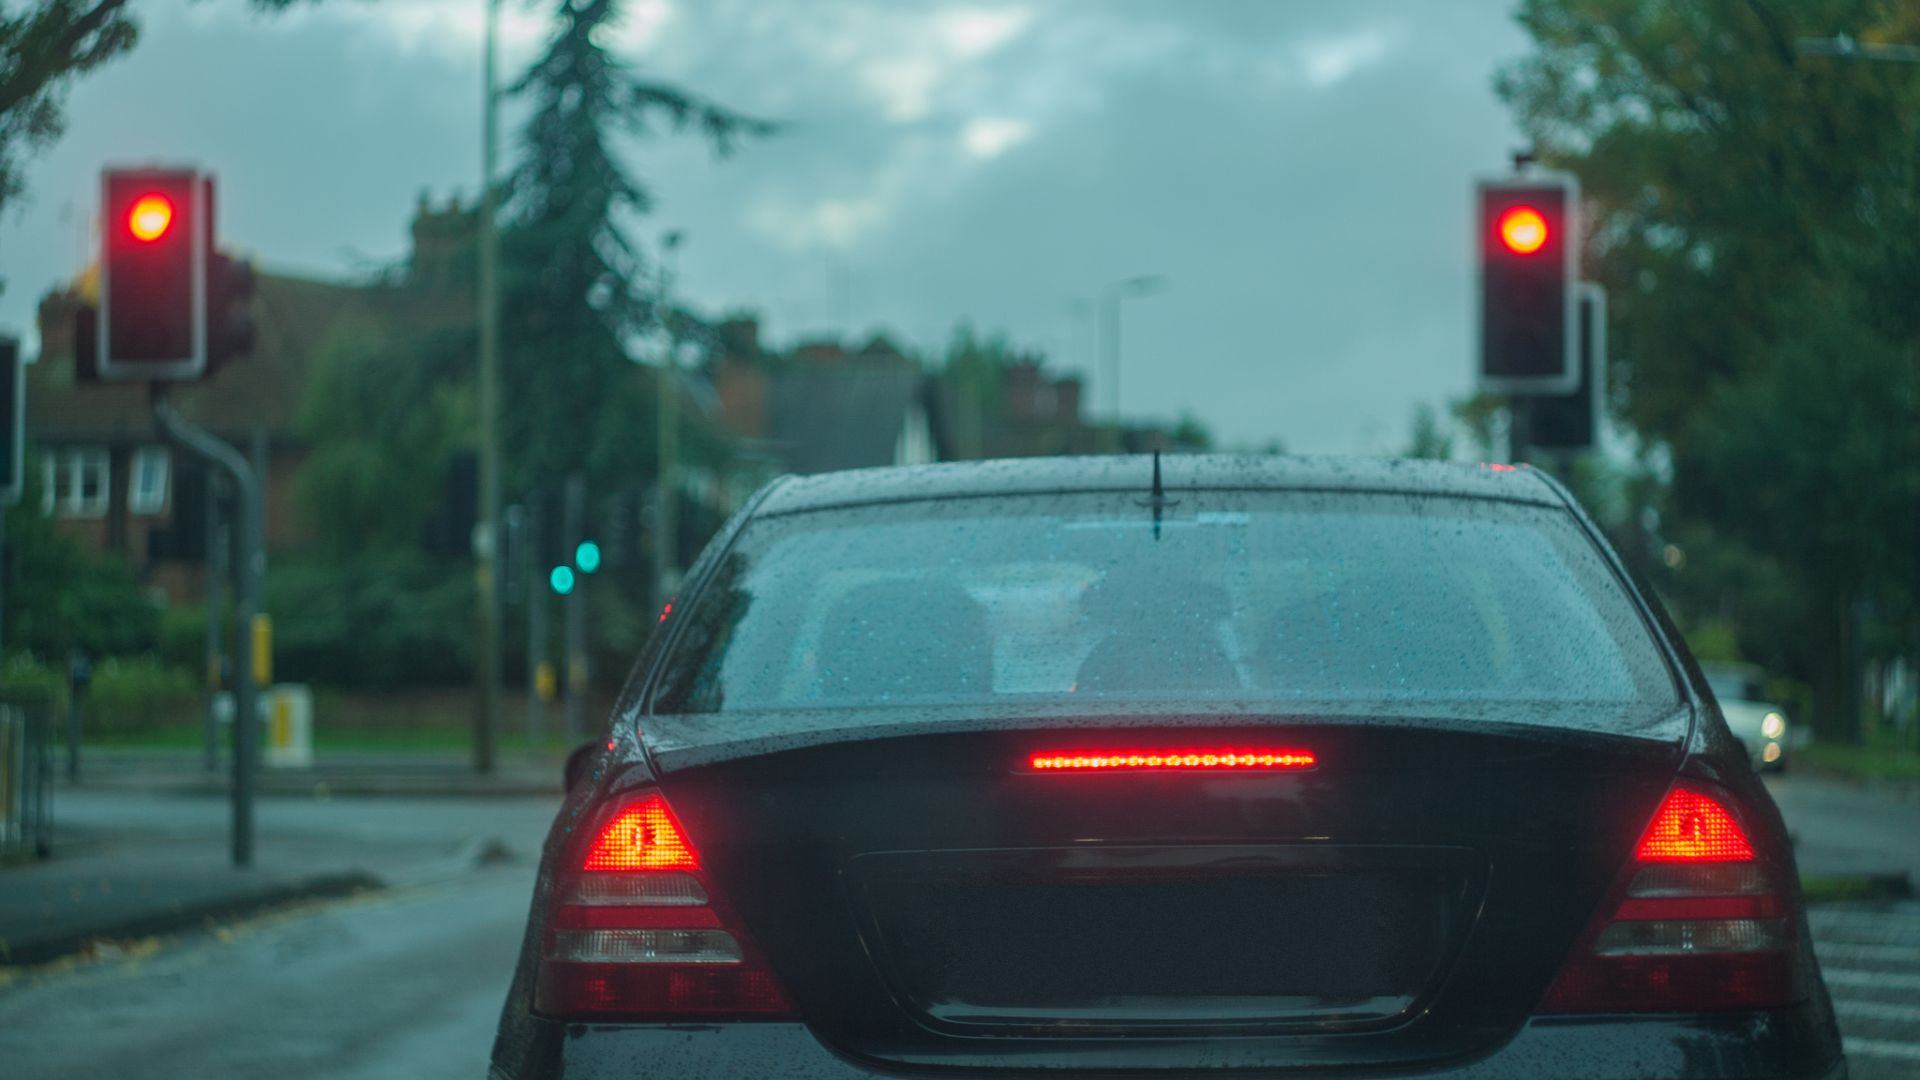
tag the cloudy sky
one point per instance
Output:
(1298, 172)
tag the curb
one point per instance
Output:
(323, 788)
(233, 905)
(1843, 888)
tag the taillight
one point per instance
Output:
(1701, 924)
(636, 933)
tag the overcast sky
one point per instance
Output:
(1299, 173)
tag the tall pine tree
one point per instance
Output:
(574, 288)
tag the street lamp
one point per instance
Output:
(487, 404)
(665, 508)
(1143, 285)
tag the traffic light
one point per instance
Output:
(230, 326)
(1572, 421)
(13, 416)
(154, 240)
(561, 579)
(1528, 244)
(586, 557)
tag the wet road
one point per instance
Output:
(403, 983)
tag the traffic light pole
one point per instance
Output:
(576, 601)
(537, 601)
(250, 560)
(216, 562)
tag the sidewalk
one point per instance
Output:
(65, 904)
(141, 851)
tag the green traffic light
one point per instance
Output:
(561, 579)
(587, 556)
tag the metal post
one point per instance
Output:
(250, 561)
(217, 569)
(3, 565)
(537, 601)
(576, 672)
(78, 674)
(666, 509)
(1110, 299)
(1110, 327)
(487, 558)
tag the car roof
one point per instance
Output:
(1134, 472)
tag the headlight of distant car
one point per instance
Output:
(1773, 726)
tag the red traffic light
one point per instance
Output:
(1523, 230)
(150, 218)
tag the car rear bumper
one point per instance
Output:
(1784, 1045)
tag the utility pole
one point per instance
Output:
(666, 507)
(216, 568)
(250, 559)
(486, 546)
(576, 612)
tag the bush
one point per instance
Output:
(378, 621)
(140, 695)
(62, 597)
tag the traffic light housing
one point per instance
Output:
(154, 241)
(1572, 421)
(1527, 239)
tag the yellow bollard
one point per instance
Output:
(263, 650)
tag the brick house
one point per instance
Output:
(108, 478)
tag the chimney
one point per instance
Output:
(1066, 399)
(740, 339)
(57, 313)
(1023, 386)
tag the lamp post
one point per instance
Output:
(1143, 285)
(666, 509)
(487, 394)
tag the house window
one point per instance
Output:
(147, 493)
(75, 481)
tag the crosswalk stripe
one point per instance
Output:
(1882, 1048)
(1870, 980)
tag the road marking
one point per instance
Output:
(1847, 952)
(1870, 980)
(1882, 1048)
(1877, 1010)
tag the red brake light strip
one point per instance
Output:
(1259, 759)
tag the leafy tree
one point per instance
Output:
(1753, 215)
(1191, 433)
(61, 597)
(973, 371)
(1430, 438)
(383, 414)
(44, 46)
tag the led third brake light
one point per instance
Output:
(1699, 926)
(1244, 760)
(636, 934)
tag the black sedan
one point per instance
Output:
(1262, 767)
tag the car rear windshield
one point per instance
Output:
(1244, 596)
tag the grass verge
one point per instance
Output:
(1860, 762)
